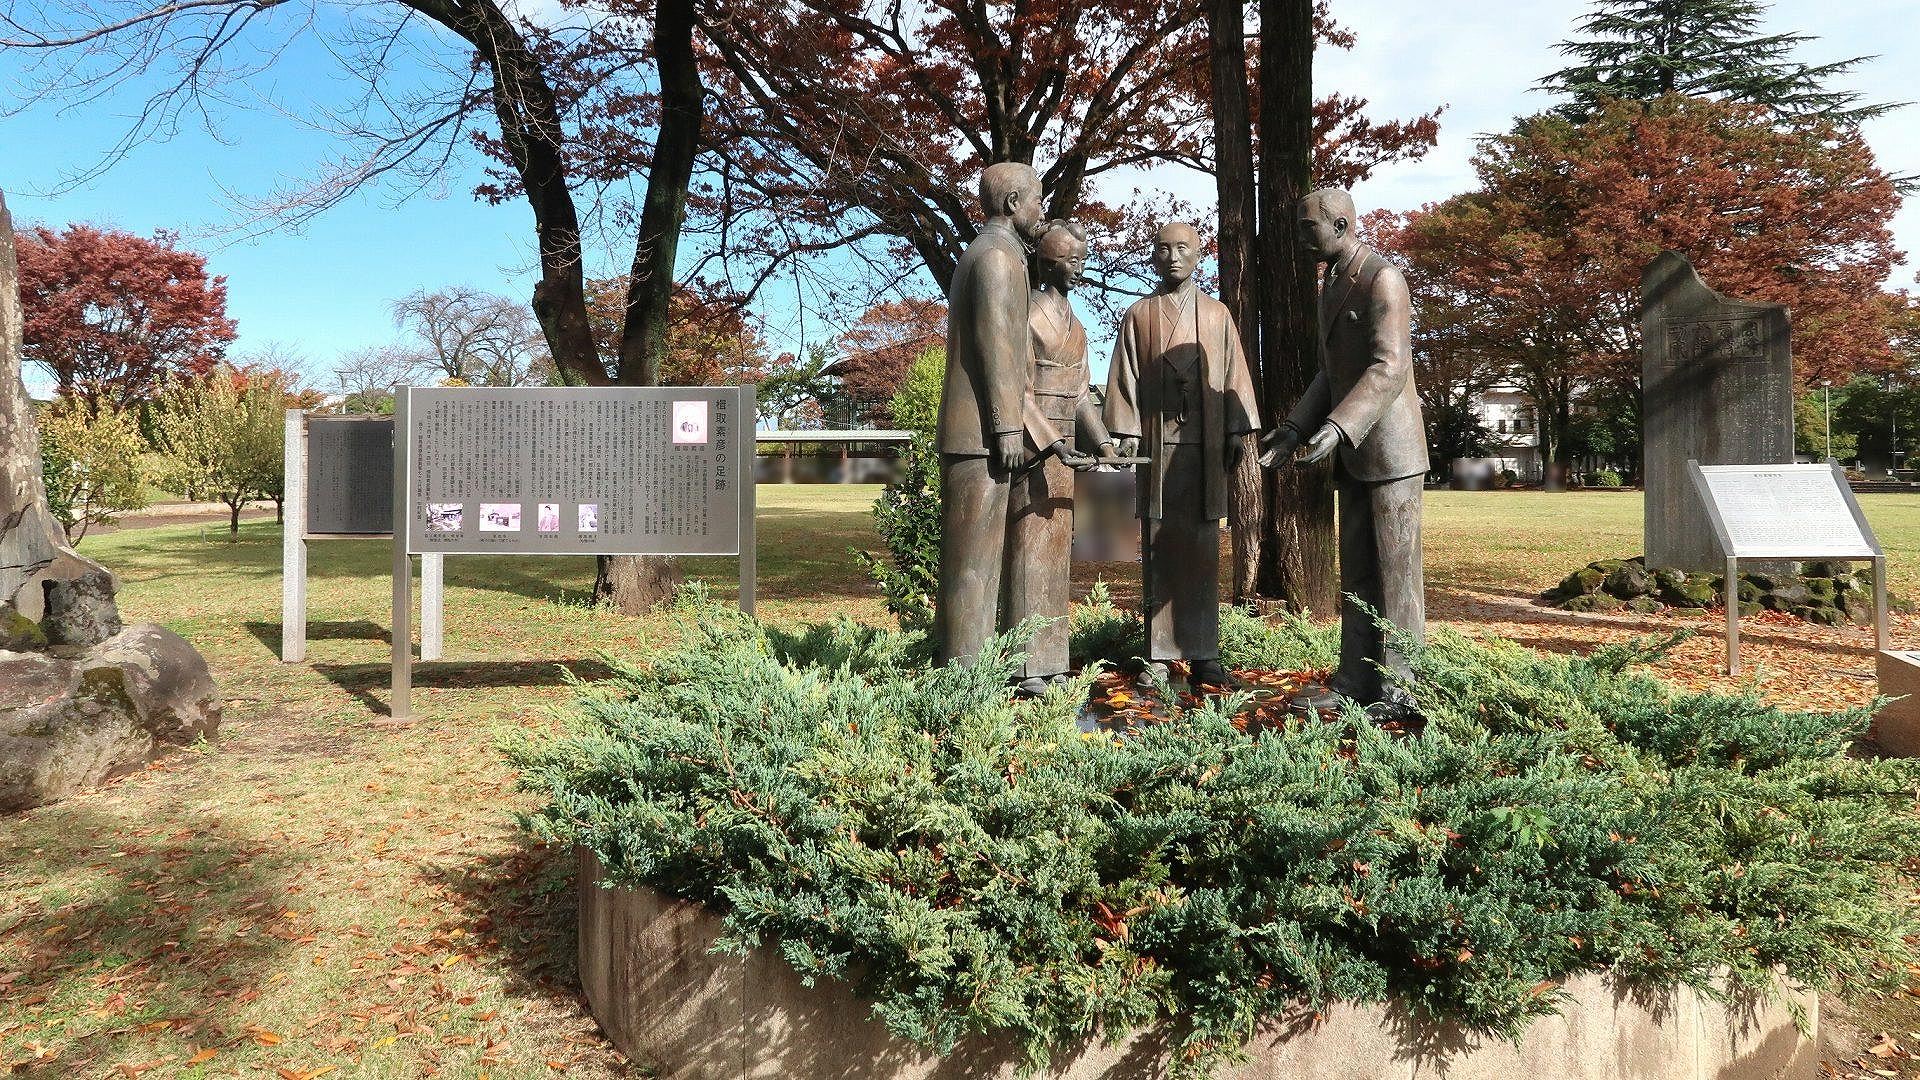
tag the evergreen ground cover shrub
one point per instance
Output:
(974, 864)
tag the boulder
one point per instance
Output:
(1645, 605)
(80, 610)
(1593, 602)
(1824, 616)
(72, 718)
(1690, 593)
(1629, 581)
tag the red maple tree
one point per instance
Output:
(1547, 253)
(876, 351)
(110, 314)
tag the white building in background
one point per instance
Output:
(1507, 413)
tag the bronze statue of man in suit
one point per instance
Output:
(981, 437)
(1179, 393)
(1362, 407)
(1059, 408)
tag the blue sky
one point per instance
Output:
(325, 289)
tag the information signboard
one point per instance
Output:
(1786, 512)
(567, 471)
(576, 470)
(349, 475)
(1779, 512)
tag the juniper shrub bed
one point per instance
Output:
(974, 864)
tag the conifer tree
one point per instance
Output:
(1644, 49)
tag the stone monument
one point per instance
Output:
(1718, 380)
(1362, 410)
(82, 697)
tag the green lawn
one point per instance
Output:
(311, 892)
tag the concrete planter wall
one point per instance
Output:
(668, 1003)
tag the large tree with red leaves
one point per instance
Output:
(873, 355)
(110, 315)
(1548, 251)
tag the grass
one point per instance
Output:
(313, 893)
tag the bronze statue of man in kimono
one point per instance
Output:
(1363, 411)
(1179, 393)
(1060, 413)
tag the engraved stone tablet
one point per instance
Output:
(1718, 379)
(349, 476)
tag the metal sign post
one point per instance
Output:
(1787, 512)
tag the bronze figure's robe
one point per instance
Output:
(1180, 384)
(1040, 544)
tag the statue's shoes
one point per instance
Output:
(1032, 687)
(1316, 701)
(1210, 673)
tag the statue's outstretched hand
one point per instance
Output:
(1128, 446)
(1278, 445)
(1109, 452)
(1072, 457)
(1320, 447)
(1011, 452)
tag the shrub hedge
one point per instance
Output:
(975, 864)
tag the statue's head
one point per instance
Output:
(1010, 192)
(1326, 223)
(1059, 255)
(1176, 251)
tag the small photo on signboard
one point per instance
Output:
(689, 423)
(589, 517)
(549, 517)
(499, 517)
(446, 517)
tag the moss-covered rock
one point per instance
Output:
(1628, 582)
(19, 633)
(1690, 593)
(1669, 579)
(1593, 602)
(1823, 616)
(1645, 605)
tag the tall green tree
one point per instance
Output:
(1641, 50)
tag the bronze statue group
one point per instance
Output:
(1179, 405)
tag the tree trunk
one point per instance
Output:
(643, 337)
(233, 517)
(634, 584)
(1297, 557)
(1239, 262)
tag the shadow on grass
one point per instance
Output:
(110, 939)
(269, 633)
(372, 682)
(521, 899)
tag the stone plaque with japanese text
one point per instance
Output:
(1718, 380)
(576, 471)
(349, 475)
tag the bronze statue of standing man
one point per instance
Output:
(981, 436)
(1362, 406)
(1060, 409)
(1180, 392)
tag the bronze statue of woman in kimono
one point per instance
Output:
(1059, 411)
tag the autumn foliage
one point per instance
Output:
(710, 340)
(878, 349)
(1546, 255)
(110, 314)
